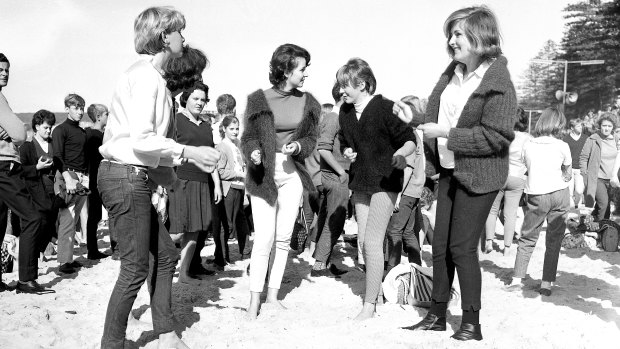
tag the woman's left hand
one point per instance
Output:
(217, 194)
(433, 130)
(290, 149)
(402, 111)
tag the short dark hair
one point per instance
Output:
(284, 61)
(226, 121)
(574, 122)
(73, 99)
(188, 91)
(354, 72)
(42, 116)
(336, 94)
(522, 120)
(225, 104)
(182, 72)
(3, 59)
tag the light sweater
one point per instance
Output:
(544, 157)
(138, 128)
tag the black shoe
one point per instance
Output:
(75, 264)
(97, 255)
(431, 322)
(336, 271)
(66, 268)
(468, 332)
(32, 287)
(200, 270)
(4, 287)
(323, 272)
(545, 291)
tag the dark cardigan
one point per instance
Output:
(260, 133)
(35, 181)
(485, 129)
(376, 136)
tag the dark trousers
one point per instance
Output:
(603, 193)
(221, 233)
(48, 224)
(311, 206)
(145, 248)
(15, 196)
(235, 216)
(332, 215)
(402, 233)
(94, 216)
(461, 217)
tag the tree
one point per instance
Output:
(593, 32)
(540, 81)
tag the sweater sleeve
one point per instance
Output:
(58, 144)
(584, 157)
(249, 138)
(329, 130)
(399, 132)
(495, 132)
(10, 123)
(223, 167)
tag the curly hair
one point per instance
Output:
(182, 72)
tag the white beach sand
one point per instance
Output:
(582, 312)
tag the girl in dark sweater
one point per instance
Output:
(377, 143)
(193, 198)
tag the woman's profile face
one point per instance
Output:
(295, 79)
(606, 128)
(196, 102)
(232, 131)
(175, 43)
(463, 50)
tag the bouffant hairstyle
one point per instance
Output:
(607, 116)
(182, 72)
(151, 24)
(355, 72)
(481, 29)
(522, 120)
(3, 59)
(284, 61)
(96, 110)
(42, 116)
(226, 121)
(226, 104)
(551, 123)
(188, 92)
(74, 100)
(336, 94)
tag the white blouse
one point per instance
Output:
(139, 122)
(452, 101)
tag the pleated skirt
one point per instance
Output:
(191, 206)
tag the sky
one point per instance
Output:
(58, 47)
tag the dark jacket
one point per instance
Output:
(40, 183)
(483, 134)
(260, 133)
(376, 136)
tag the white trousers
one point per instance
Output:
(273, 226)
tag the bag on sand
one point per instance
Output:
(411, 284)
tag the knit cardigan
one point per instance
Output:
(589, 165)
(260, 133)
(484, 131)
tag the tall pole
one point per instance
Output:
(565, 76)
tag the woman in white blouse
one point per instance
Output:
(138, 156)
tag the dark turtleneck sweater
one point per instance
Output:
(69, 143)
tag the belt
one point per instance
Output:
(135, 168)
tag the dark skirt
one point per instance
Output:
(191, 206)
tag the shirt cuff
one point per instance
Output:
(177, 151)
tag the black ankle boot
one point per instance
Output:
(468, 332)
(431, 322)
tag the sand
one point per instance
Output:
(582, 312)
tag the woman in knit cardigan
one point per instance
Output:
(280, 132)
(469, 124)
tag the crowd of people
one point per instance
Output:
(170, 176)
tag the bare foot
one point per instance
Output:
(253, 311)
(368, 311)
(171, 340)
(275, 303)
(188, 280)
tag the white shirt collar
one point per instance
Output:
(479, 72)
